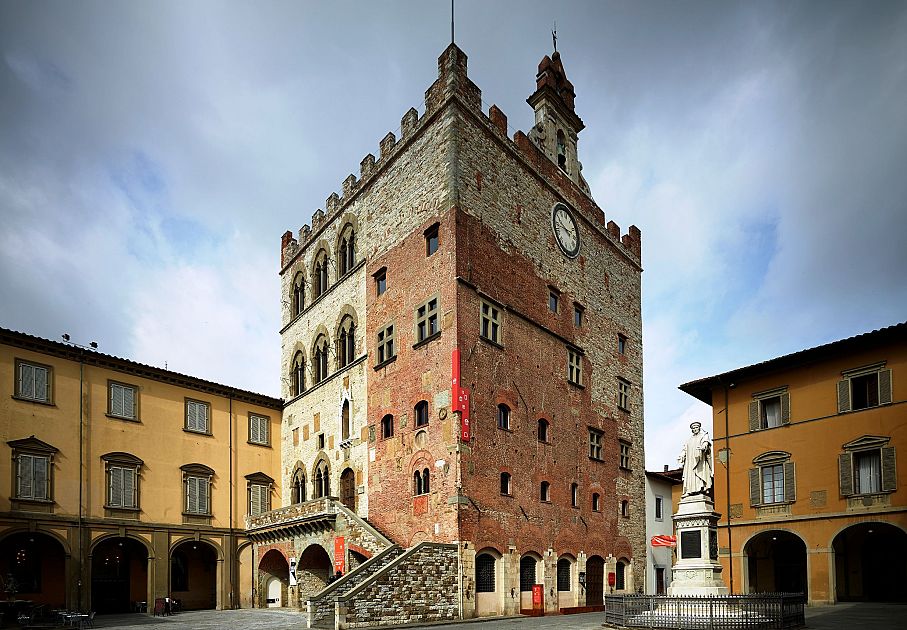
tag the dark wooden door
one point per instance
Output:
(348, 489)
(595, 581)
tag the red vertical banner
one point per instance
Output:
(339, 554)
(460, 397)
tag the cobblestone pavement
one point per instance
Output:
(841, 616)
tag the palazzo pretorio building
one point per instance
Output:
(459, 431)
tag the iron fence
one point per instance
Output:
(768, 611)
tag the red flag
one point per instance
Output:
(664, 541)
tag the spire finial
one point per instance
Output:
(553, 35)
(451, 21)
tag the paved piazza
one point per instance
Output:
(864, 616)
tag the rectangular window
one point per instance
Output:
(623, 394)
(431, 240)
(122, 400)
(386, 344)
(380, 281)
(595, 443)
(258, 429)
(197, 415)
(578, 315)
(864, 387)
(121, 487)
(259, 499)
(490, 322)
(427, 320)
(625, 456)
(321, 441)
(659, 508)
(197, 495)
(31, 477)
(574, 366)
(770, 412)
(773, 484)
(387, 427)
(621, 344)
(867, 469)
(553, 298)
(33, 382)
(864, 391)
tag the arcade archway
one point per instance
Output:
(776, 563)
(313, 571)
(119, 575)
(871, 563)
(193, 575)
(36, 563)
(275, 579)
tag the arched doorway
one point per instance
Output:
(37, 564)
(871, 563)
(274, 573)
(348, 489)
(313, 571)
(566, 597)
(595, 581)
(119, 575)
(776, 563)
(487, 583)
(528, 578)
(193, 575)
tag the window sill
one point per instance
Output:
(44, 506)
(509, 496)
(427, 340)
(575, 384)
(625, 469)
(123, 418)
(386, 362)
(548, 501)
(507, 429)
(492, 342)
(624, 409)
(202, 433)
(261, 444)
(32, 400)
(597, 459)
(196, 519)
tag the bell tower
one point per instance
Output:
(556, 123)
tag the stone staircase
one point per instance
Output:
(322, 606)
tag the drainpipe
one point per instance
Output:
(232, 545)
(727, 478)
(81, 462)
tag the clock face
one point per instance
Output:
(566, 232)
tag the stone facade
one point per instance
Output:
(451, 216)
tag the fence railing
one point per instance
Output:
(730, 612)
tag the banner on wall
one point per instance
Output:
(339, 554)
(460, 396)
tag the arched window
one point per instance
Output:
(347, 252)
(320, 274)
(421, 482)
(596, 502)
(298, 487)
(561, 150)
(543, 430)
(297, 377)
(506, 484)
(426, 487)
(387, 426)
(503, 417)
(527, 573)
(563, 574)
(485, 573)
(320, 359)
(574, 494)
(345, 421)
(625, 508)
(620, 576)
(545, 491)
(322, 480)
(421, 413)
(346, 342)
(297, 299)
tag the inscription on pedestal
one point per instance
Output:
(691, 544)
(713, 544)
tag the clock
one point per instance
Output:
(566, 231)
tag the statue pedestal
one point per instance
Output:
(697, 570)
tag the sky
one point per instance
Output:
(152, 154)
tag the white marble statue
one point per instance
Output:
(696, 460)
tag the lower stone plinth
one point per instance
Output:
(697, 571)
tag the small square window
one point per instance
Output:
(431, 240)
(490, 322)
(321, 441)
(623, 394)
(198, 416)
(595, 443)
(33, 382)
(574, 366)
(427, 324)
(578, 315)
(553, 298)
(386, 350)
(380, 281)
(621, 344)
(625, 456)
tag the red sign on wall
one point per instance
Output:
(460, 397)
(339, 554)
(612, 579)
(538, 591)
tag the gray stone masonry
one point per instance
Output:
(321, 607)
(419, 586)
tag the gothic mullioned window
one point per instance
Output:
(346, 342)
(297, 299)
(320, 274)
(320, 359)
(347, 250)
(297, 376)
(322, 481)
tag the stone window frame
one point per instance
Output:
(574, 366)
(506, 480)
(421, 417)
(297, 374)
(346, 341)
(380, 277)
(320, 364)
(346, 250)
(625, 508)
(772, 460)
(200, 476)
(259, 487)
(504, 414)
(544, 431)
(298, 488)
(321, 478)
(19, 382)
(621, 344)
(554, 299)
(297, 295)
(320, 280)
(845, 390)
(192, 426)
(596, 502)
(260, 436)
(486, 572)
(658, 510)
(624, 389)
(387, 426)
(564, 578)
(579, 314)
(596, 443)
(421, 482)
(545, 492)
(120, 461)
(758, 418)
(386, 348)
(31, 449)
(112, 387)
(625, 454)
(427, 320)
(432, 239)
(491, 322)
(346, 419)
(847, 471)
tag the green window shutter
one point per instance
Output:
(42, 384)
(203, 417)
(845, 470)
(26, 385)
(40, 483)
(116, 487)
(844, 395)
(889, 470)
(754, 415)
(192, 495)
(117, 403)
(26, 477)
(129, 410)
(884, 387)
(785, 408)
(128, 487)
(203, 497)
(790, 484)
(191, 416)
(754, 487)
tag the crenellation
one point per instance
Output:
(387, 144)
(349, 186)
(331, 204)
(614, 230)
(498, 119)
(408, 122)
(366, 166)
(318, 217)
